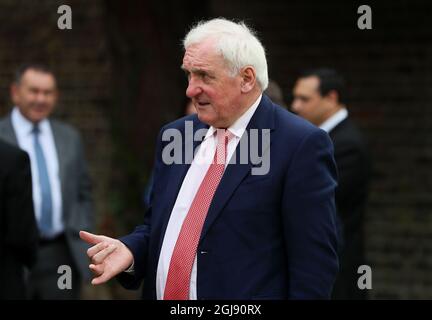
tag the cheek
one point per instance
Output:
(29, 100)
(50, 102)
(223, 107)
(226, 100)
(303, 112)
(310, 108)
(223, 98)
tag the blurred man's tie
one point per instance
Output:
(183, 257)
(45, 221)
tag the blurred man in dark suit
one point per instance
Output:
(18, 230)
(61, 183)
(318, 98)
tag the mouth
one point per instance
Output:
(201, 105)
(39, 108)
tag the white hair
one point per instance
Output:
(237, 43)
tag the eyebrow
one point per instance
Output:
(32, 87)
(197, 71)
(301, 96)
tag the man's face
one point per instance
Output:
(213, 91)
(35, 95)
(308, 102)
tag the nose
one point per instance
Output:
(193, 88)
(296, 105)
(40, 97)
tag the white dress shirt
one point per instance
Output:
(334, 120)
(23, 130)
(188, 190)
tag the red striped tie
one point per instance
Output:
(183, 257)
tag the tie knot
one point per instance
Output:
(36, 129)
(224, 136)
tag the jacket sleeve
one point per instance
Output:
(84, 208)
(309, 219)
(21, 236)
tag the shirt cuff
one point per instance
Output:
(131, 269)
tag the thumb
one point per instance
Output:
(90, 237)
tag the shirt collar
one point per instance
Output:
(334, 120)
(26, 126)
(239, 126)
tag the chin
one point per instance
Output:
(206, 118)
(37, 118)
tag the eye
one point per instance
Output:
(303, 99)
(205, 77)
(202, 74)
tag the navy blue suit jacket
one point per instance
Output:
(267, 236)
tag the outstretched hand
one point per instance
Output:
(108, 256)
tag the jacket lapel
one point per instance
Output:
(61, 144)
(235, 173)
(176, 178)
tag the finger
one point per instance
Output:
(104, 277)
(90, 237)
(101, 255)
(95, 249)
(97, 269)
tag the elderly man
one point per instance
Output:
(219, 229)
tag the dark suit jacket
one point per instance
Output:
(75, 186)
(18, 229)
(353, 163)
(267, 236)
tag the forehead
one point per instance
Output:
(38, 78)
(307, 85)
(201, 56)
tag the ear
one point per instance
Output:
(14, 93)
(56, 95)
(248, 79)
(333, 96)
